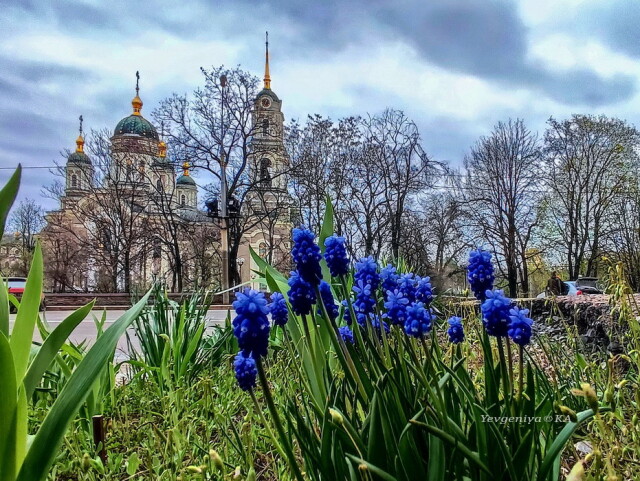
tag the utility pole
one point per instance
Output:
(224, 215)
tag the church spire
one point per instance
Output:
(80, 139)
(137, 101)
(267, 77)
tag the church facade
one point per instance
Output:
(129, 217)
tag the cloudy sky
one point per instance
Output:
(455, 66)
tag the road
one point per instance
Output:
(86, 330)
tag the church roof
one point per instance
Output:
(185, 180)
(136, 125)
(270, 93)
(78, 158)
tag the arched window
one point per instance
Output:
(265, 126)
(74, 181)
(265, 175)
(159, 185)
(157, 248)
(183, 200)
(262, 250)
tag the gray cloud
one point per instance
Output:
(485, 39)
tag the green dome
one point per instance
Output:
(270, 93)
(136, 125)
(79, 158)
(185, 180)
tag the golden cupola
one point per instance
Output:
(79, 157)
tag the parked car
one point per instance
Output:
(584, 285)
(16, 287)
(589, 285)
(570, 289)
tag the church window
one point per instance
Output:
(262, 250)
(74, 181)
(265, 175)
(159, 185)
(157, 248)
(183, 200)
(265, 126)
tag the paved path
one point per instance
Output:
(86, 330)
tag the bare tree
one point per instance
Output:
(405, 167)
(370, 169)
(589, 162)
(26, 220)
(108, 221)
(203, 131)
(502, 190)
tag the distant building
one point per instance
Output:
(12, 254)
(137, 222)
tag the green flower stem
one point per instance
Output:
(521, 373)
(266, 424)
(341, 348)
(307, 333)
(503, 368)
(510, 359)
(276, 420)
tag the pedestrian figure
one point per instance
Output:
(554, 285)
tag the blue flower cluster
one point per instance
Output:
(367, 272)
(389, 277)
(480, 273)
(278, 309)
(407, 285)
(396, 306)
(251, 325)
(347, 335)
(327, 300)
(301, 294)
(424, 293)
(495, 313)
(418, 321)
(246, 371)
(306, 254)
(455, 331)
(365, 301)
(520, 326)
(336, 256)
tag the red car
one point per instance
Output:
(16, 285)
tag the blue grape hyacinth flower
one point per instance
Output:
(365, 301)
(301, 294)
(367, 272)
(455, 331)
(347, 335)
(306, 254)
(335, 254)
(520, 326)
(327, 300)
(407, 284)
(396, 306)
(480, 273)
(278, 309)
(246, 371)
(389, 277)
(418, 321)
(251, 325)
(495, 313)
(424, 293)
(377, 323)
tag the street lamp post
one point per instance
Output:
(240, 261)
(224, 216)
